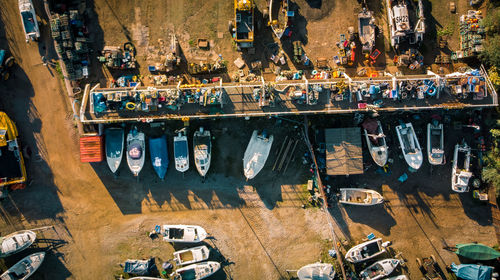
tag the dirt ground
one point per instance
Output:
(258, 229)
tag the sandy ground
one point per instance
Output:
(258, 229)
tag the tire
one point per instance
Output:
(419, 262)
(9, 62)
(433, 259)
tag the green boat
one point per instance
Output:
(476, 251)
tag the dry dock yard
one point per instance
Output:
(286, 127)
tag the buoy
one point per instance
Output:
(130, 106)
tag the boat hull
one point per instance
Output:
(316, 271)
(114, 147)
(278, 25)
(352, 196)
(26, 266)
(378, 153)
(181, 153)
(136, 141)
(435, 151)
(256, 154)
(460, 175)
(410, 145)
(159, 155)
(191, 234)
(29, 21)
(201, 270)
(382, 268)
(202, 150)
(354, 255)
(16, 242)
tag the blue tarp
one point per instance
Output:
(159, 155)
(472, 271)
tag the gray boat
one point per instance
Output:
(114, 147)
(366, 25)
(24, 268)
(202, 151)
(136, 149)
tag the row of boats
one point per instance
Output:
(14, 243)
(254, 158)
(412, 151)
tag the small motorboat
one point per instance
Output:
(278, 16)
(375, 139)
(181, 152)
(191, 255)
(435, 143)
(316, 271)
(202, 149)
(136, 148)
(379, 269)
(460, 173)
(366, 250)
(197, 271)
(399, 277)
(476, 251)
(114, 147)
(366, 26)
(28, 18)
(16, 242)
(362, 197)
(472, 271)
(256, 154)
(24, 268)
(159, 155)
(409, 145)
(138, 267)
(183, 233)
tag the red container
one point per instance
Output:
(91, 149)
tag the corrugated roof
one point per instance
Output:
(344, 154)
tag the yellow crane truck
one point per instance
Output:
(242, 29)
(12, 169)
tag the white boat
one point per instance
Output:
(278, 16)
(183, 233)
(362, 197)
(256, 154)
(460, 174)
(202, 149)
(145, 278)
(28, 18)
(181, 152)
(435, 143)
(409, 145)
(366, 250)
(24, 268)
(197, 271)
(375, 139)
(136, 150)
(316, 271)
(114, 147)
(191, 255)
(399, 277)
(379, 269)
(16, 242)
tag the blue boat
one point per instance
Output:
(159, 155)
(472, 271)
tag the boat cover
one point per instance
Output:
(135, 151)
(114, 142)
(476, 251)
(472, 271)
(159, 154)
(138, 267)
(370, 125)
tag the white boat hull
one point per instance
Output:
(16, 242)
(191, 255)
(137, 139)
(256, 154)
(460, 175)
(199, 270)
(25, 267)
(29, 21)
(202, 149)
(435, 151)
(365, 251)
(361, 197)
(181, 153)
(379, 153)
(410, 145)
(379, 269)
(183, 233)
(316, 271)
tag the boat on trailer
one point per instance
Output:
(460, 173)
(256, 154)
(379, 269)
(316, 271)
(278, 16)
(136, 148)
(183, 233)
(191, 255)
(197, 271)
(16, 242)
(366, 250)
(202, 149)
(435, 143)
(410, 145)
(376, 142)
(28, 18)
(24, 268)
(181, 152)
(159, 155)
(362, 197)
(114, 147)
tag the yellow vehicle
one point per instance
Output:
(242, 29)
(12, 169)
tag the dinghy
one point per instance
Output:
(366, 250)
(316, 271)
(114, 147)
(363, 197)
(28, 18)
(138, 267)
(136, 148)
(256, 154)
(159, 155)
(181, 152)
(375, 139)
(202, 148)
(197, 271)
(379, 269)
(278, 16)
(460, 173)
(409, 145)
(191, 255)
(24, 268)
(435, 143)
(16, 242)
(183, 233)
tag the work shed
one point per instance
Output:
(344, 154)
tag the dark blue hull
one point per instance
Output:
(159, 155)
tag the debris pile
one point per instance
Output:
(471, 35)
